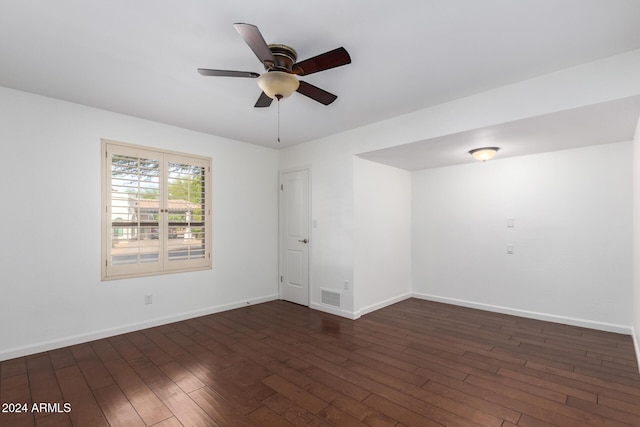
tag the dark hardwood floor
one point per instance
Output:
(416, 363)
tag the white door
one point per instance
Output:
(294, 236)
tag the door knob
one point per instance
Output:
(304, 241)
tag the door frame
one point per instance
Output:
(281, 234)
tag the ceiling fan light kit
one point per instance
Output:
(485, 153)
(278, 84)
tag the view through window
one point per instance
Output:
(156, 211)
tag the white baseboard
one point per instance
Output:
(333, 310)
(636, 345)
(109, 332)
(357, 314)
(382, 304)
(601, 326)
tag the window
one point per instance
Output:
(156, 211)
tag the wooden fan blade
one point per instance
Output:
(315, 93)
(263, 101)
(254, 39)
(227, 73)
(324, 61)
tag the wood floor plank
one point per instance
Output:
(293, 413)
(145, 368)
(474, 401)
(294, 393)
(169, 422)
(182, 377)
(245, 373)
(45, 389)
(218, 408)
(146, 402)
(360, 411)
(302, 380)
(16, 395)
(495, 396)
(116, 408)
(348, 389)
(587, 381)
(43, 383)
(604, 413)
(91, 366)
(545, 383)
(399, 412)
(265, 417)
(631, 406)
(523, 386)
(185, 409)
(128, 351)
(527, 421)
(54, 420)
(62, 358)
(242, 400)
(414, 363)
(13, 367)
(150, 350)
(338, 417)
(403, 391)
(578, 417)
(85, 411)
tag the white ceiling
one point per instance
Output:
(603, 123)
(140, 57)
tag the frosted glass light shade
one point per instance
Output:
(484, 154)
(278, 84)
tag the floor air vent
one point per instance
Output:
(331, 298)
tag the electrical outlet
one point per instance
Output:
(509, 249)
(148, 299)
(346, 285)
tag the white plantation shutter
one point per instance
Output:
(187, 208)
(156, 211)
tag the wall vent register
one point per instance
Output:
(330, 297)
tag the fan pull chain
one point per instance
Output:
(278, 119)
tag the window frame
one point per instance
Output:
(167, 263)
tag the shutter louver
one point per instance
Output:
(186, 207)
(135, 187)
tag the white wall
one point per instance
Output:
(572, 213)
(331, 243)
(382, 237)
(50, 289)
(331, 159)
(636, 241)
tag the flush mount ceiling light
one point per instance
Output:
(484, 153)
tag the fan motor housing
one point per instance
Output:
(285, 56)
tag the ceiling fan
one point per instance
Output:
(279, 81)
